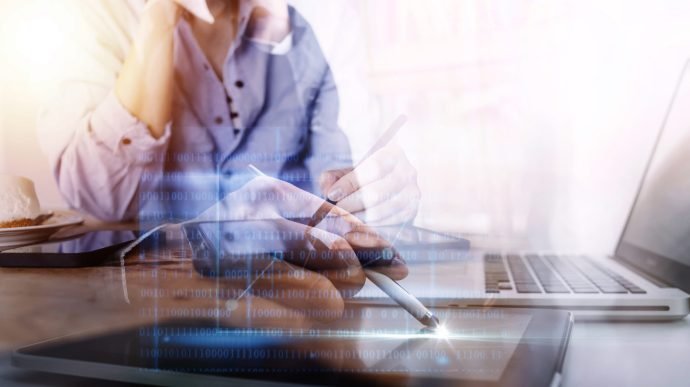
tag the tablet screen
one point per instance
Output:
(380, 343)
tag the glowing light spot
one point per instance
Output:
(34, 39)
(441, 331)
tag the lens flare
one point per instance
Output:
(34, 40)
(441, 331)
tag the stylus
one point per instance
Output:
(386, 137)
(256, 170)
(403, 298)
(393, 289)
(321, 212)
(328, 204)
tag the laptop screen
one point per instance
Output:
(657, 236)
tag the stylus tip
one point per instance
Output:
(431, 321)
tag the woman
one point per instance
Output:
(171, 108)
(165, 111)
(168, 110)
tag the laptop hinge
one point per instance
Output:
(632, 267)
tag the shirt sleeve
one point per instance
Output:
(329, 146)
(280, 48)
(101, 155)
(123, 134)
(339, 31)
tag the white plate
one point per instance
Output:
(18, 236)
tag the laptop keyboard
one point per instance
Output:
(554, 274)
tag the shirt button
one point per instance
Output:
(229, 99)
(206, 67)
(239, 84)
(236, 131)
(234, 115)
(218, 120)
(126, 141)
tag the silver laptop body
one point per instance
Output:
(645, 279)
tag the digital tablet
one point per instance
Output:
(217, 244)
(370, 345)
(89, 249)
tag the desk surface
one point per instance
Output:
(39, 304)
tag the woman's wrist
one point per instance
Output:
(160, 17)
(145, 82)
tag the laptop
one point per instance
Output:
(647, 277)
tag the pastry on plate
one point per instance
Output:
(19, 206)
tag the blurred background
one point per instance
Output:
(529, 119)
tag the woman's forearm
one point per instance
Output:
(146, 82)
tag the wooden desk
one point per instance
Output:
(38, 304)
(159, 283)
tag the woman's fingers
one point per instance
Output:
(335, 259)
(198, 8)
(310, 293)
(398, 209)
(264, 198)
(360, 245)
(381, 189)
(377, 193)
(258, 312)
(328, 178)
(329, 250)
(377, 253)
(245, 248)
(370, 170)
